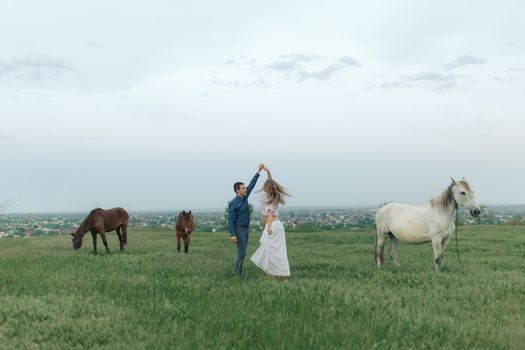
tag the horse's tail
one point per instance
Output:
(381, 231)
(377, 236)
(375, 246)
(124, 230)
(124, 226)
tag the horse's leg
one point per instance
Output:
(438, 251)
(380, 241)
(178, 242)
(119, 234)
(124, 231)
(94, 236)
(392, 250)
(105, 240)
(444, 244)
(186, 244)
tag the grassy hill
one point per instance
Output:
(151, 297)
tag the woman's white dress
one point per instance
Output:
(271, 256)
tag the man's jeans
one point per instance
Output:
(242, 244)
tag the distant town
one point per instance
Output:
(295, 220)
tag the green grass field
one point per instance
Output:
(153, 298)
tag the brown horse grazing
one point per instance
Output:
(101, 221)
(184, 226)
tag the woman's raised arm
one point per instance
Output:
(268, 172)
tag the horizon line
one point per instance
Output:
(215, 210)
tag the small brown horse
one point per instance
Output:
(101, 221)
(184, 226)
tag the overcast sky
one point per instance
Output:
(165, 104)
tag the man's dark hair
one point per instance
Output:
(237, 185)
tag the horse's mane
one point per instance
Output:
(465, 184)
(85, 221)
(188, 219)
(444, 200)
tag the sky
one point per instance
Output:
(163, 105)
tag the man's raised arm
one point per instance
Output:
(254, 180)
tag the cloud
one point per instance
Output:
(233, 83)
(349, 61)
(283, 66)
(446, 85)
(7, 68)
(394, 85)
(505, 80)
(42, 62)
(436, 81)
(295, 66)
(299, 57)
(322, 75)
(462, 61)
(33, 67)
(243, 60)
(95, 44)
(5, 138)
(238, 84)
(292, 62)
(429, 76)
(299, 66)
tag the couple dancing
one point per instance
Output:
(271, 256)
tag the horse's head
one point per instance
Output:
(464, 196)
(77, 239)
(186, 222)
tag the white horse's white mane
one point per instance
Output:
(444, 200)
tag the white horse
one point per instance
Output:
(431, 222)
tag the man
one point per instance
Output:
(239, 219)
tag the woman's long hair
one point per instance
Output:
(274, 192)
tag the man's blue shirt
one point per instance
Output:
(238, 209)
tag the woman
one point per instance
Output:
(271, 256)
